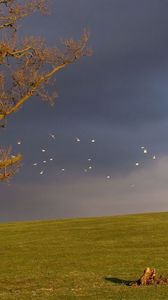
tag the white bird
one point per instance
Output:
(19, 142)
(142, 147)
(35, 164)
(154, 157)
(51, 158)
(89, 159)
(93, 140)
(43, 150)
(77, 139)
(62, 170)
(108, 176)
(44, 161)
(41, 173)
(52, 135)
(137, 164)
(145, 151)
(90, 167)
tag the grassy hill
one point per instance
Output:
(83, 258)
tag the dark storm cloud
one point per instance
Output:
(120, 84)
(142, 191)
(118, 96)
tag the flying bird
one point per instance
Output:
(52, 135)
(77, 139)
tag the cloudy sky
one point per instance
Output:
(118, 97)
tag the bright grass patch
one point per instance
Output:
(88, 258)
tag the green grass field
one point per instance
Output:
(83, 258)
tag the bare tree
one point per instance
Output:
(27, 67)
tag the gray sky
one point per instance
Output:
(117, 97)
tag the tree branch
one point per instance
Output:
(32, 91)
(10, 161)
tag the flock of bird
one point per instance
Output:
(145, 151)
(52, 136)
(89, 168)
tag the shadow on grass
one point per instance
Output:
(120, 281)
